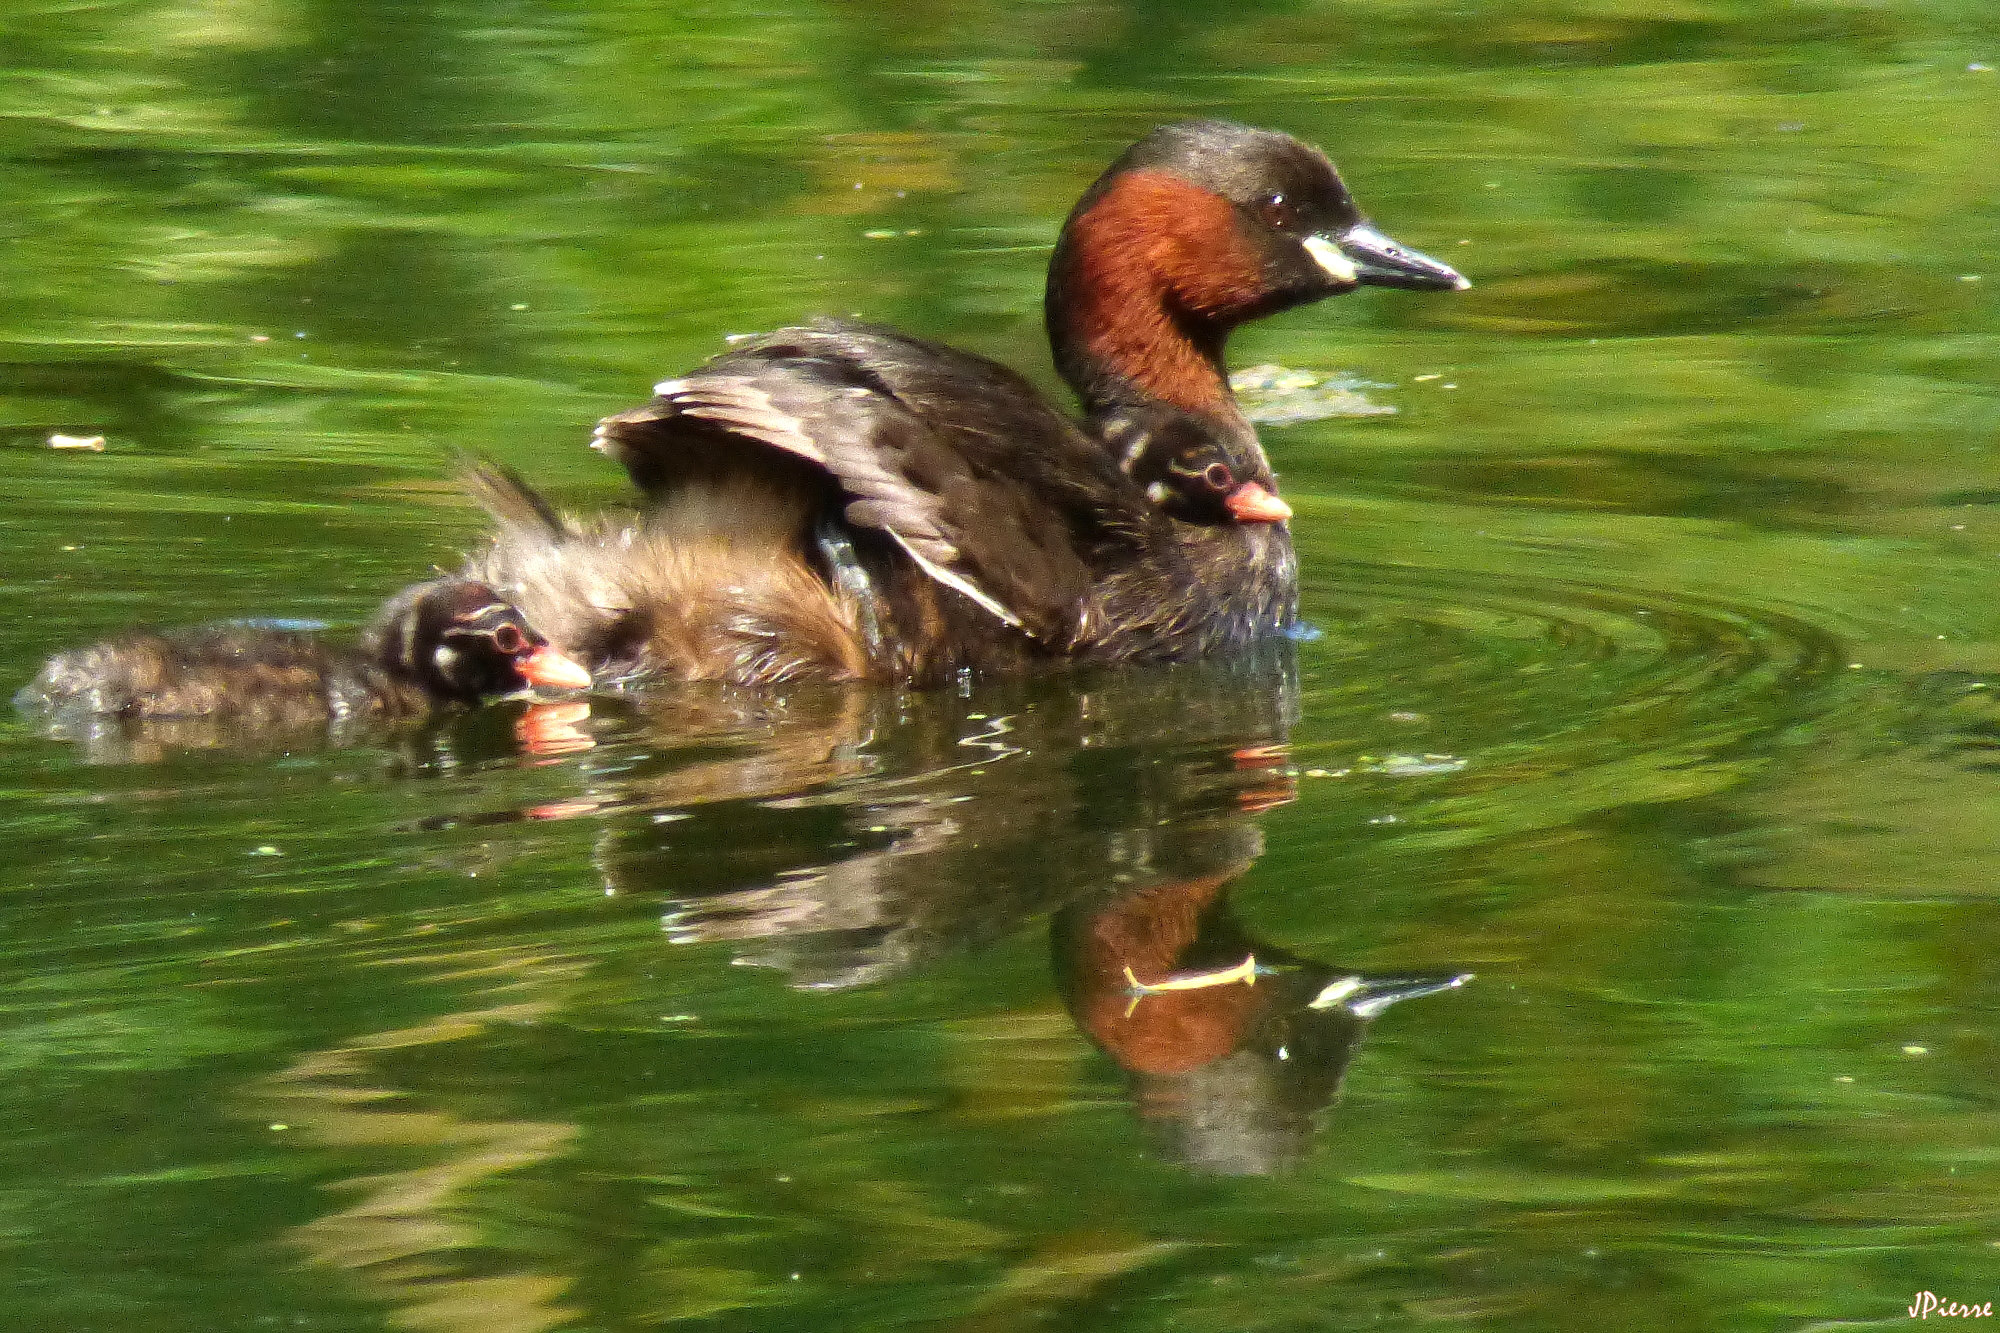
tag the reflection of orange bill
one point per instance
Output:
(1267, 797)
(582, 805)
(1260, 756)
(551, 728)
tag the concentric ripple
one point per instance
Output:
(1621, 695)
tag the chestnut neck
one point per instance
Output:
(1148, 279)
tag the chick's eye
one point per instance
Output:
(509, 639)
(1217, 476)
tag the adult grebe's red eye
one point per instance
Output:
(1278, 211)
(508, 638)
(1218, 477)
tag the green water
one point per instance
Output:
(1653, 691)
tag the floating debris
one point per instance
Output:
(1270, 378)
(1245, 972)
(1278, 396)
(94, 443)
(1394, 766)
(1409, 765)
(1412, 766)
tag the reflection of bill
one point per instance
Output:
(1233, 1045)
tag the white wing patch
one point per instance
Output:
(957, 582)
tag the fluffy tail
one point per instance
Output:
(712, 582)
(502, 492)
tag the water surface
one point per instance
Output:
(1653, 691)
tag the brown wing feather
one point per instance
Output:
(988, 490)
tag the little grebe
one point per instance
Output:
(841, 500)
(447, 641)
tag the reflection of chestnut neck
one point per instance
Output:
(1151, 935)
